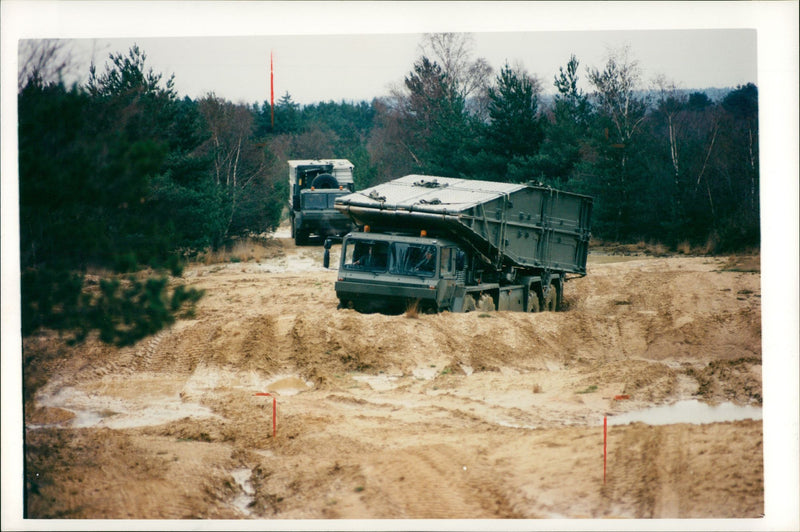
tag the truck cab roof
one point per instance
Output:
(338, 167)
(409, 238)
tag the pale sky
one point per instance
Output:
(356, 67)
(355, 50)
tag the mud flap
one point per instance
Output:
(458, 300)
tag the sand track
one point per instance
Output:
(479, 415)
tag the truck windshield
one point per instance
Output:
(321, 200)
(413, 259)
(315, 201)
(368, 256)
(398, 257)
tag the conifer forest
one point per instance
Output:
(123, 173)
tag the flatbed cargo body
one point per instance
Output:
(514, 224)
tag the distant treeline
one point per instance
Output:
(121, 172)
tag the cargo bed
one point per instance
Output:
(519, 225)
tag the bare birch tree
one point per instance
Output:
(615, 94)
(669, 106)
(237, 162)
(453, 52)
(615, 90)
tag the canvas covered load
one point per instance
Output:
(520, 225)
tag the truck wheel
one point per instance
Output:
(533, 302)
(486, 303)
(551, 301)
(430, 308)
(325, 181)
(300, 238)
(469, 303)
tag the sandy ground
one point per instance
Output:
(453, 416)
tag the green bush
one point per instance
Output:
(175, 264)
(123, 311)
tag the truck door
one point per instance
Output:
(448, 273)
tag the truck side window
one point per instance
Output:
(447, 260)
(424, 259)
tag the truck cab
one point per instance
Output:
(314, 185)
(388, 272)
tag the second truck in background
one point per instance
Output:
(314, 185)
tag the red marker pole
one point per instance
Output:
(274, 411)
(271, 93)
(605, 436)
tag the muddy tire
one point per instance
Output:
(430, 308)
(486, 303)
(551, 301)
(325, 181)
(469, 303)
(533, 302)
(300, 238)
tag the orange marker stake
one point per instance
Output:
(274, 411)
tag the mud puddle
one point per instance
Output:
(92, 410)
(691, 411)
(244, 499)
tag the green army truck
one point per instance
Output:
(460, 245)
(313, 187)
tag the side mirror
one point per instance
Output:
(326, 255)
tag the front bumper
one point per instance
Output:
(324, 222)
(372, 295)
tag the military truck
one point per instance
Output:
(459, 245)
(313, 187)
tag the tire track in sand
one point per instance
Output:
(432, 482)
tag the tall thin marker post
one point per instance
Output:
(271, 92)
(605, 433)
(274, 411)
